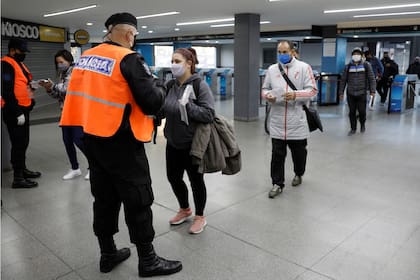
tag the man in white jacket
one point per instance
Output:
(288, 124)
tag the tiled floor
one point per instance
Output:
(356, 216)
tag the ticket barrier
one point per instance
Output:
(396, 94)
(328, 87)
(401, 94)
(224, 83)
(207, 75)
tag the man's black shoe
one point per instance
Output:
(109, 261)
(362, 128)
(23, 184)
(31, 174)
(351, 132)
(158, 266)
(297, 180)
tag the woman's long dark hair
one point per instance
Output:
(66, 55)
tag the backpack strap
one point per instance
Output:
(196, 86)
(286, 78)
(169, 85)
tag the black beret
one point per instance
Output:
(121, 18)
(16, 43)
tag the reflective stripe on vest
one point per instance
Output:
(96, 99)
(98, 94)
(21, 88)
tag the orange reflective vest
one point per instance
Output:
(98, 94)
(21, 87)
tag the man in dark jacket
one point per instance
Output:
(390, 71)
(359, 79)
(377, 67)
(414, 67)
(17, 102)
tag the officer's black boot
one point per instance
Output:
(110, 256)
(31, 174)
(20, 182)
(151, 264)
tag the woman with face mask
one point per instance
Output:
(179, 131)
(72, 135)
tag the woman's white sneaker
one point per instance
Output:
(73, 173)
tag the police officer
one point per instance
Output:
(111, 95)
(16, 104)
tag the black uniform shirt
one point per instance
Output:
(147, 95)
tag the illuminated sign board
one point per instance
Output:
(11, 28)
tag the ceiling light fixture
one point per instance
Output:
(158, 15)
(204, 21)
(222, 25)
(387, 15)
(372, 8)
(70, 11)
(232, 24)
(89, 23)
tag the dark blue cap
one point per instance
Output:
(16, 43)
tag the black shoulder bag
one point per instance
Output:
(312, 116)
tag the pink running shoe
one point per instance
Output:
(198, 224)
(181, 216)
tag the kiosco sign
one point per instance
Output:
(26, 30)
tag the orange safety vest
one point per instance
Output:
(98, 94)
(21, 88)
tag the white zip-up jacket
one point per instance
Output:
(288, 119)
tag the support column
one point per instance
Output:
(414, 49)
(333, 55)
(246, 63)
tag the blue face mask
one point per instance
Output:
(284, 58)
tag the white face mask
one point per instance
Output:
(356, 57)
(177, 70)
(62, 67)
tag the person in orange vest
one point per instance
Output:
(112, 95)
(17, 101)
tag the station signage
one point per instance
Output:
(11, 28)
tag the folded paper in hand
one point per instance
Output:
(188, 93)
(371, 102)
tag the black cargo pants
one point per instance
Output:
(119, 173)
